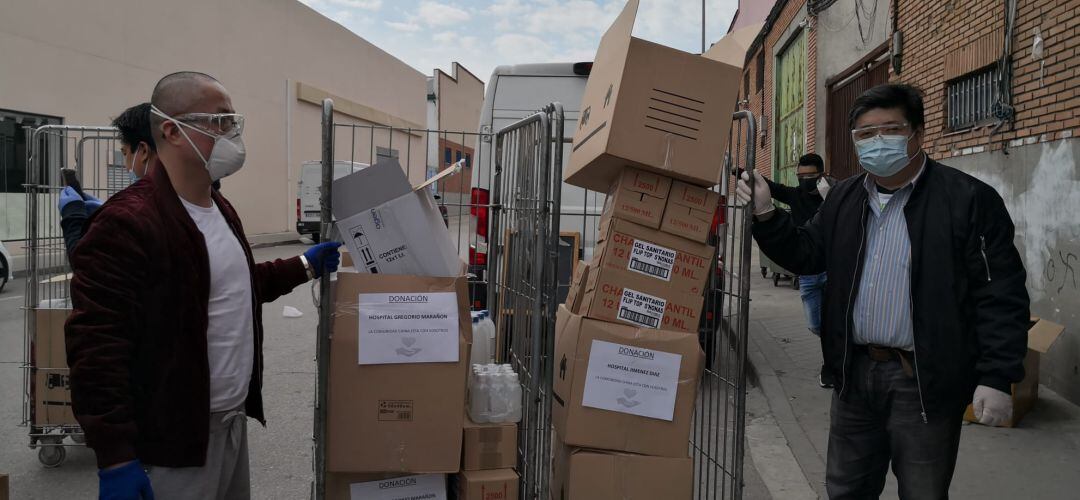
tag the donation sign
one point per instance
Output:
(408, 328)
(632, 380)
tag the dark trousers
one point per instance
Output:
(880, 421)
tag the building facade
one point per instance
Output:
(277, 58)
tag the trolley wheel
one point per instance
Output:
(764, 272)
(776, 279)
(794, 282)
(52, 456)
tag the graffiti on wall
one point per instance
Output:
(1047, 225)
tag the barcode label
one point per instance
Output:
(641, 309)
(651, 260)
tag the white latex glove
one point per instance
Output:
(762, 196)
(992, 407)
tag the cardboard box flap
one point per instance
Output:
(621, 30)
(1043, 334)
(369, 188)
(732, 48)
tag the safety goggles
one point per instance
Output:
(864, 133)
(214, 123)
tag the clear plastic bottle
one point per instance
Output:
(479, 353)
(479, 395)
(513, 394)
(500, 396)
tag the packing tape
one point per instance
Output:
(490, 434)
(668, 139)
(493, 460)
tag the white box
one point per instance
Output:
(390, 227)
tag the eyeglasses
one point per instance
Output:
(215, 123)
(860, 134)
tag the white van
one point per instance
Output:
(514, 92)
(308, 211)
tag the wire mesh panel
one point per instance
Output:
(718, 439)
(523, 275)
(93, 153)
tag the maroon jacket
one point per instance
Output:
(136, 340)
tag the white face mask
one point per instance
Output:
(134, 175)
(227, 155)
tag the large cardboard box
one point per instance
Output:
(583, 474)
(646, 277)
(1041, 336)
(577, 287)
(652, 107)
(352, 486)
(391, 227)
(622, 388)
(52, 397)
(689, 211)
(49, 351)
(638, 196)
(404, 416)
(488, 446)
(499, 484)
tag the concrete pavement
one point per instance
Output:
(1036, 460)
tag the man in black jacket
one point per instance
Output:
(804, 200)
(925, 310)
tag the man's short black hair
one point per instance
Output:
(134, 125)
(812, 160)
(890, 96)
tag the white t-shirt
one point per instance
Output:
(230, 336)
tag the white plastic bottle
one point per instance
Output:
(490, 330)
(479, 353)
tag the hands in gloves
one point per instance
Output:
(762, 197)
(323, 257)
(126, 482)
(991, 406)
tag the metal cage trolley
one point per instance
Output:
(501, 209)
(93, 155)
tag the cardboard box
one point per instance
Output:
(638, 196)
(1041, 336)
(623, 388)
(582, 474)
(652, 107)
(646, 277)
(689, 211)
(577, 287)
(49, 351)
(488, 446)
(52, 397)
(499, 484)
(347, 486)
(401, 417)
(391, 227)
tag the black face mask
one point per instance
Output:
(809, 185)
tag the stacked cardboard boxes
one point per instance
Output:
(652, 134)
(399, 348)
(52, 384)
(488, 459)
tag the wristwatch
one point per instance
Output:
(308, 268)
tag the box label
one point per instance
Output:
(651, 260)
(395, 410)
(632, 380)
(641, 309)
(422, 487)
(408, 328)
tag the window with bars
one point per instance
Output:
(970, 99)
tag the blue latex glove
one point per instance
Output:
(128, 482)
(92, 204)
(323, 256)
(68, 195)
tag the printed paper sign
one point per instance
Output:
(632, 380)
(641, 309)
(408, 328)
(651, 260)
(423, 487)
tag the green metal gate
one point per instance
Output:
(790, 139)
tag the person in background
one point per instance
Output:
(137, 148)
(165, 338)
(804, 200)
(926, 309)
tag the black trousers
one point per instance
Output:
(880, 421)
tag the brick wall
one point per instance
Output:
(1047, 108)
(761, 100)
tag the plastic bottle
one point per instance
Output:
(479, 353)
(500, 396)
(514, 395)
(479, 396)
(489, 330)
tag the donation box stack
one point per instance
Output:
(399, 352)
(651, 135)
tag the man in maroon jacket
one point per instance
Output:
(165, 340)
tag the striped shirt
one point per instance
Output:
(882, 312)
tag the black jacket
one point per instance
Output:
(969, 301)
(804, 204)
